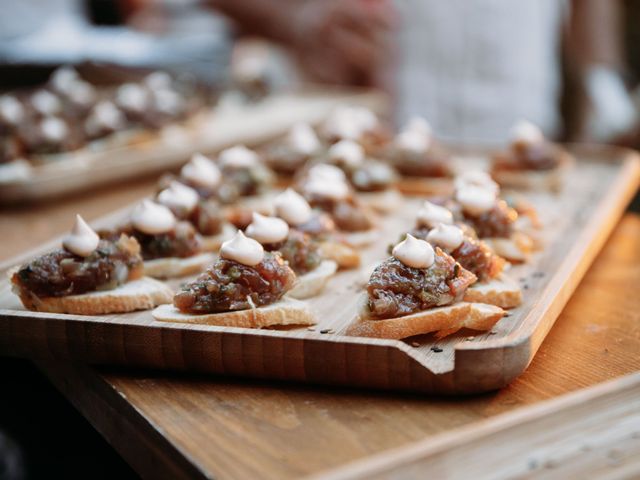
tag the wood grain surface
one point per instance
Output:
(222, 428)
(592, 433)
(204, 426)
(577, 222)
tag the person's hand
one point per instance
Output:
(344, 41)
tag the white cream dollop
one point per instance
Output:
(152, 218)
(414, 253)
(431, 214)
(324, 171)
(323, 188)
(105, 115)
(267, 229)
(477, 178)
(350, 122)
(476, 200)
(46, 103)
(179, 196)
(158, 80)
(238, 157)
(63, 79)
(303, 139)
(53, 129)
(419, 125)
(292, 207)
(447, 237)
(11, 110)
(201, 171)
(132, 97)
(82, 240)
(526, 132)
(347, 152)
(241, 249)
(413, 141)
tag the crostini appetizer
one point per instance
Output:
(245, 287)
(355, 123)
(420, 290)
(435, 225)
(199, 173)
(477, 204)
(301, 252)
(425, 165)
(204, 214)
(375, 181)
(170, 248)
(290, 154)
(531, 161)
(296, 211)
(244, 173)
(89, 276)
(325, 187)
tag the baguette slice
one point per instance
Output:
(312, 283)
(344, 255)
(425, 186)
(516, 248)
(285, 312)
(212, 243)
(551, 180)
(177, 267)
(361, 239)
(502, 292)
(141, 294)
(444, 320)
(386, 201)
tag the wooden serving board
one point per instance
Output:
(148, 152)
(577, 223)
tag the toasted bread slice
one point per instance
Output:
(449, 319)
(516, 248)
(212, 243)
(312, 283)
(177, 267)
(141, 294)
(502, 291)
(361, 239)
(551, 180)
(425, 186)
(285, 312)
(386, 201)
(344, 255)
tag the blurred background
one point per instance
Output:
(471, 67)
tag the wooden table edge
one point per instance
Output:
(425, 454)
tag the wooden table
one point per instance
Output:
(170, 425)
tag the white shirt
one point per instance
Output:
(474, 67)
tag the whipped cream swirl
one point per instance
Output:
(414, 253)
(179, 196)
(447, 237)
(241, 249)
(201, 171)
(431, 214)
(292, 207)
(267, 229)
(82, 240)
(152, 218)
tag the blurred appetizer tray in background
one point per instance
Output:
(577, 222)
(231, 121)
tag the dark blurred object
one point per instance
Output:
(12, 465)
(48, 434)
(632, 37)
(104, 12)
